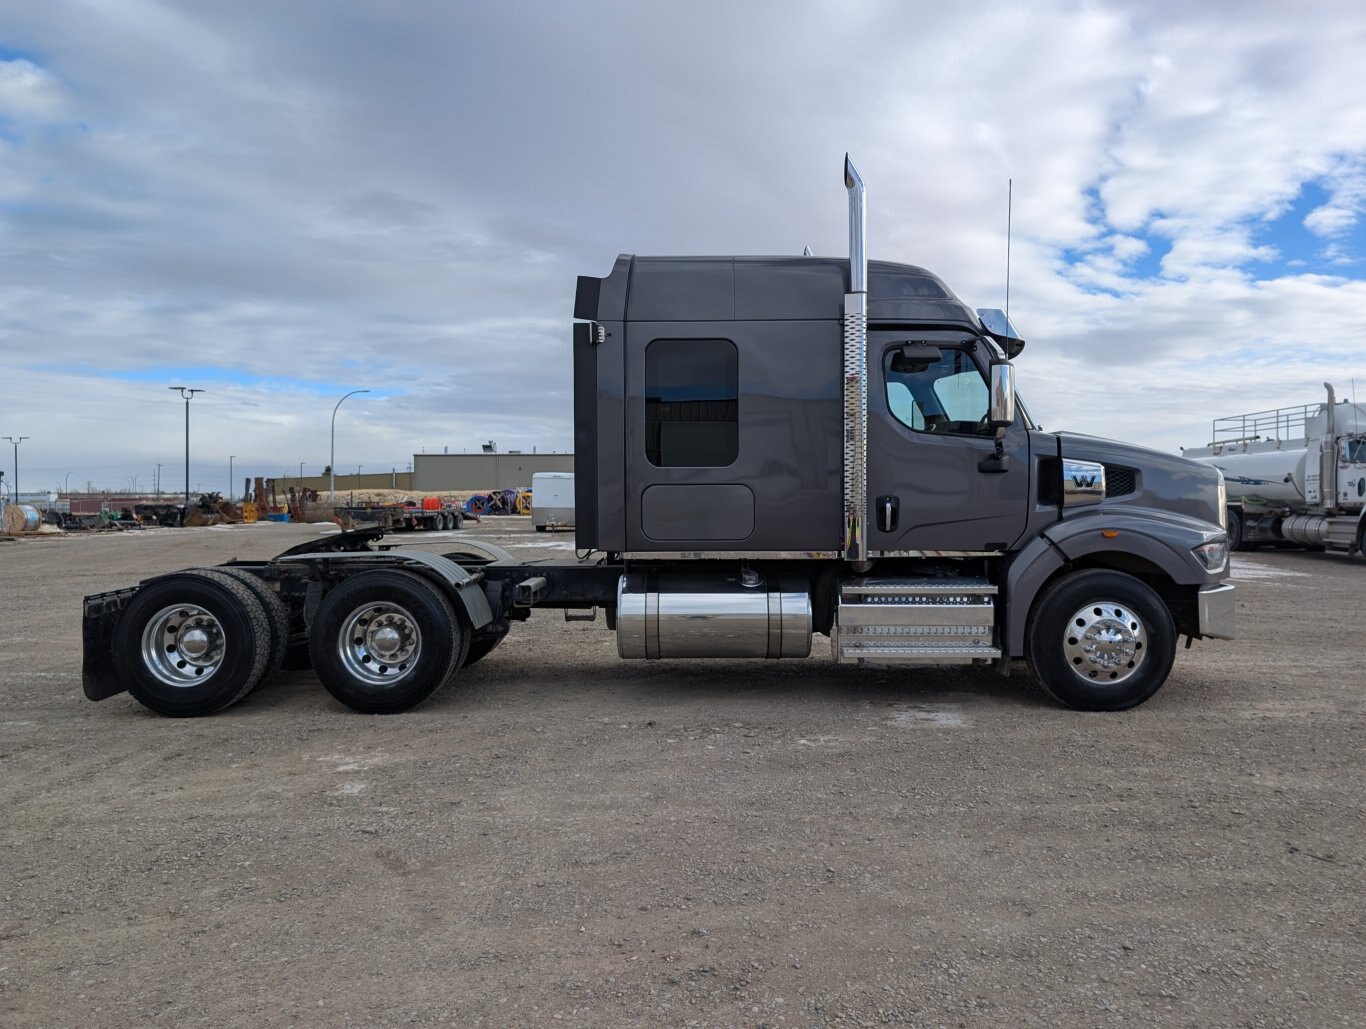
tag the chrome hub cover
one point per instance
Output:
(183, 645)
(379, 643)
(1105, 642)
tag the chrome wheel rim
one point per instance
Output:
(1105, 643)
(183, 645)
(379, 644)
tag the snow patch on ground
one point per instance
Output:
(1247, 570)
(940, 715)
(346, 763)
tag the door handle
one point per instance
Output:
(888, 512)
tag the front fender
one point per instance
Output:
(1162, 539)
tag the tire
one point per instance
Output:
(277, 619)
(1099, 640)
(540, 528)
(457, 520)
(191, 643)
(1235, 530)
(481, 647)
(383, 641)
(1361, 536)
(447, 520)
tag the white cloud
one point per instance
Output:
(28, 92)
(333, 196)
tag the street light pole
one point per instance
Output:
(230, 457)
(14, 486)
(332, 467)
(187, 393)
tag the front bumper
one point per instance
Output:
(1217, 615)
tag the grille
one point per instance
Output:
(1120, 481)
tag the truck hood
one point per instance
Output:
(1138, 476)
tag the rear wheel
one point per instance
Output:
(384, 641)
(1235, 530)
(192, 643)
(481, 647)
(1100, 641)
(277, 619)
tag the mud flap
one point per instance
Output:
(99, 677)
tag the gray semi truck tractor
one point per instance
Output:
(766, 449)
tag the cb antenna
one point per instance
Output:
(1010, 196)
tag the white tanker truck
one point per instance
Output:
(1293, 475)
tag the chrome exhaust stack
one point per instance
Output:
(1328, 454)
(858, 227)
(855, 543)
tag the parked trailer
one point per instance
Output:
(552, 501)
(402, 517)
(766, 449)
(1294, 475)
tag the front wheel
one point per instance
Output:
(1100, 641)
(383, 641)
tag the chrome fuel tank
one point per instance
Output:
(681, 614)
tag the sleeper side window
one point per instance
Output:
(692, 402)
(944, 394)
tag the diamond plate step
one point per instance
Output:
(916, 621)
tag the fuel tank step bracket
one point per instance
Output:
(916, 621)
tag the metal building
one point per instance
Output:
(469, 473)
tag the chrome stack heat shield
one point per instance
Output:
(855, 544)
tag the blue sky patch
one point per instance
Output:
(1302, 251)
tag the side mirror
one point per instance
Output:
(1002, 411)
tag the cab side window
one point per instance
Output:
(692, 403)
(946, 394)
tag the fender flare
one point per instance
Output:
(459, 584)
(1160, 539)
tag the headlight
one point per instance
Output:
(1222, 501)
(1214, 556)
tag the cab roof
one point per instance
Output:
(712, 289)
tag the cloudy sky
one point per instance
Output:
(283, 202)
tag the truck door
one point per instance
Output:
(928, 436)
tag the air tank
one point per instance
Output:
(1273, 476)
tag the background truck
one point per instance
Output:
(766, 448)
(1294, 475)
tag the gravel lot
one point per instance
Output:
(564, 838)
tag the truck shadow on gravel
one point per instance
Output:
(498, 683)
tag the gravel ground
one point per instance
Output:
(563, 838)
